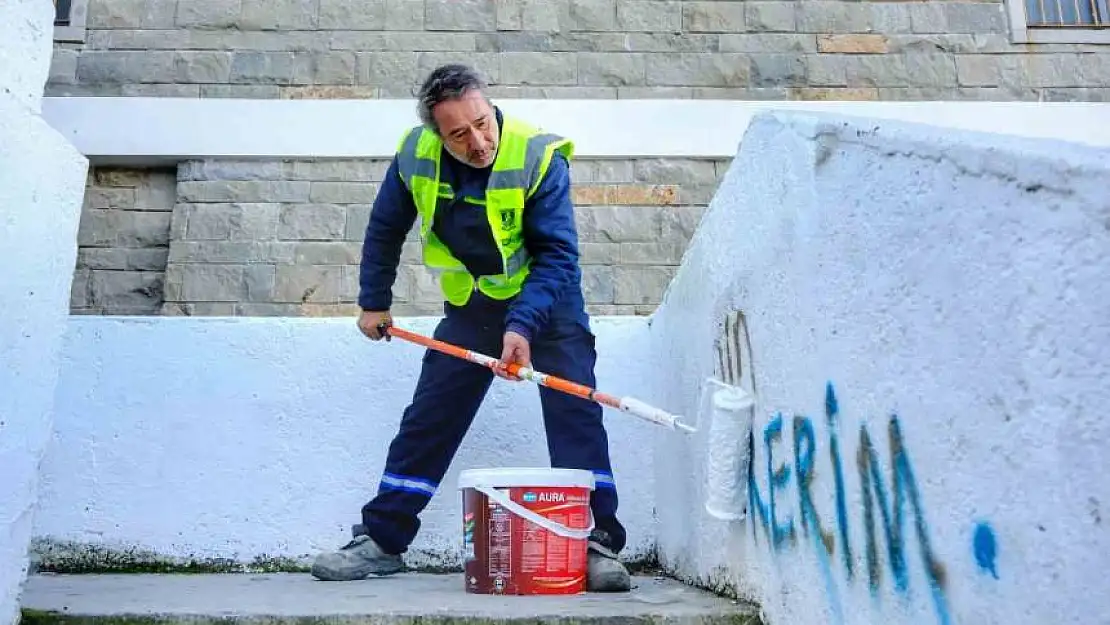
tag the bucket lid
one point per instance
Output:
(526, 476)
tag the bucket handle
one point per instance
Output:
(543, 522)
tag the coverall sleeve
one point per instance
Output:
(551, 236)
(391, 218)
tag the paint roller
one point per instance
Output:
(728, 451)
(630, 405)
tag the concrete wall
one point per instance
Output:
(41, 181)
(928, 320)
(241, 441)
(769, 49)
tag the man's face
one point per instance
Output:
(468, 126)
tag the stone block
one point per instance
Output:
(832, 94)
(202, 67)
(104, 228)
(543, 68)
(281, 15)
(641, 285)
(668, 42)
(778, 70)
(698, 70)
(679, 224)
(509, 14)
(468, 15)
(827, 70)
(702, 16)
(335, 68)
(63, 67)
(230, 252)
(212, 282)
(293, 191)
(326, 92)
(230, 221)
(79, 297)
(124, 14)
(975, 17)
(612, 68)
(352, 15)
(853, 44)
(591, 253)
(326, 192)
(228, 169)
(123, 259)
(272, 67)
(327, 253)
(126, 292)
(625, 194)
(404, 15)
(387, 68)
(307, 222)
(209, 14)
(358, 218)
(830, 16)
(601, 170)
(122, 67)
(675, 171)
(618, 224)
(592, 15)
(542, 16)
(257, 92)
(158, 90)
(107, 197)
(770, 17)
(412, 253)
(158, 191)
(649, 15)
(598, 284)
(658, 253)
(768, 43)
(419, 285)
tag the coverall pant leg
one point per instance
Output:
(447, 396)
(576, 436)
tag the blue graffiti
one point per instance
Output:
(986, 548)
(883, 508)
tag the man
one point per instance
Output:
(501, 210)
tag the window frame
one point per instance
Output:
(1022, 32)
(74, 32)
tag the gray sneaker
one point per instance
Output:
(356, 560)
(604, 573)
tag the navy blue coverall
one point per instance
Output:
(549, 312)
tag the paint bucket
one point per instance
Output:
(525, 530)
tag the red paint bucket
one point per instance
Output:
(525, 530)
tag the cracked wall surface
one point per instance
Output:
(928, 319)
(41, 183)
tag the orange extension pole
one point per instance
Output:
(630, 405)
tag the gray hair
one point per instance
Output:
(446, 82)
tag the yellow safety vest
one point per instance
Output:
(523, 156)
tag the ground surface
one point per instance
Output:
(285, 598)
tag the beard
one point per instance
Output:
(467, 160)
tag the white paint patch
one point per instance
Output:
(947, 293)
(25, 50)
(263, 437)
(141, 131)
(42, 181)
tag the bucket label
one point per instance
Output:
(512, 555)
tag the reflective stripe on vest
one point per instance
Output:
(523, 156)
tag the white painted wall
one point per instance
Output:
(953, 280)
(242, 438)
(42, 182)
(133, 130)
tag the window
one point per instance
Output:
(1060, 21)
(69, 20)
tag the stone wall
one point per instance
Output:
(123, 241)
(764, 49)
(284, 238)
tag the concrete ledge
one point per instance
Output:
(137, 131)
(287, 599)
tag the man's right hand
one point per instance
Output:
(370, 320)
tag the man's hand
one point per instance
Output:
(516, 350)
(369, 321)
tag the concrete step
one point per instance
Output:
(299, 599)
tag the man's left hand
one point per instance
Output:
(515, 350)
